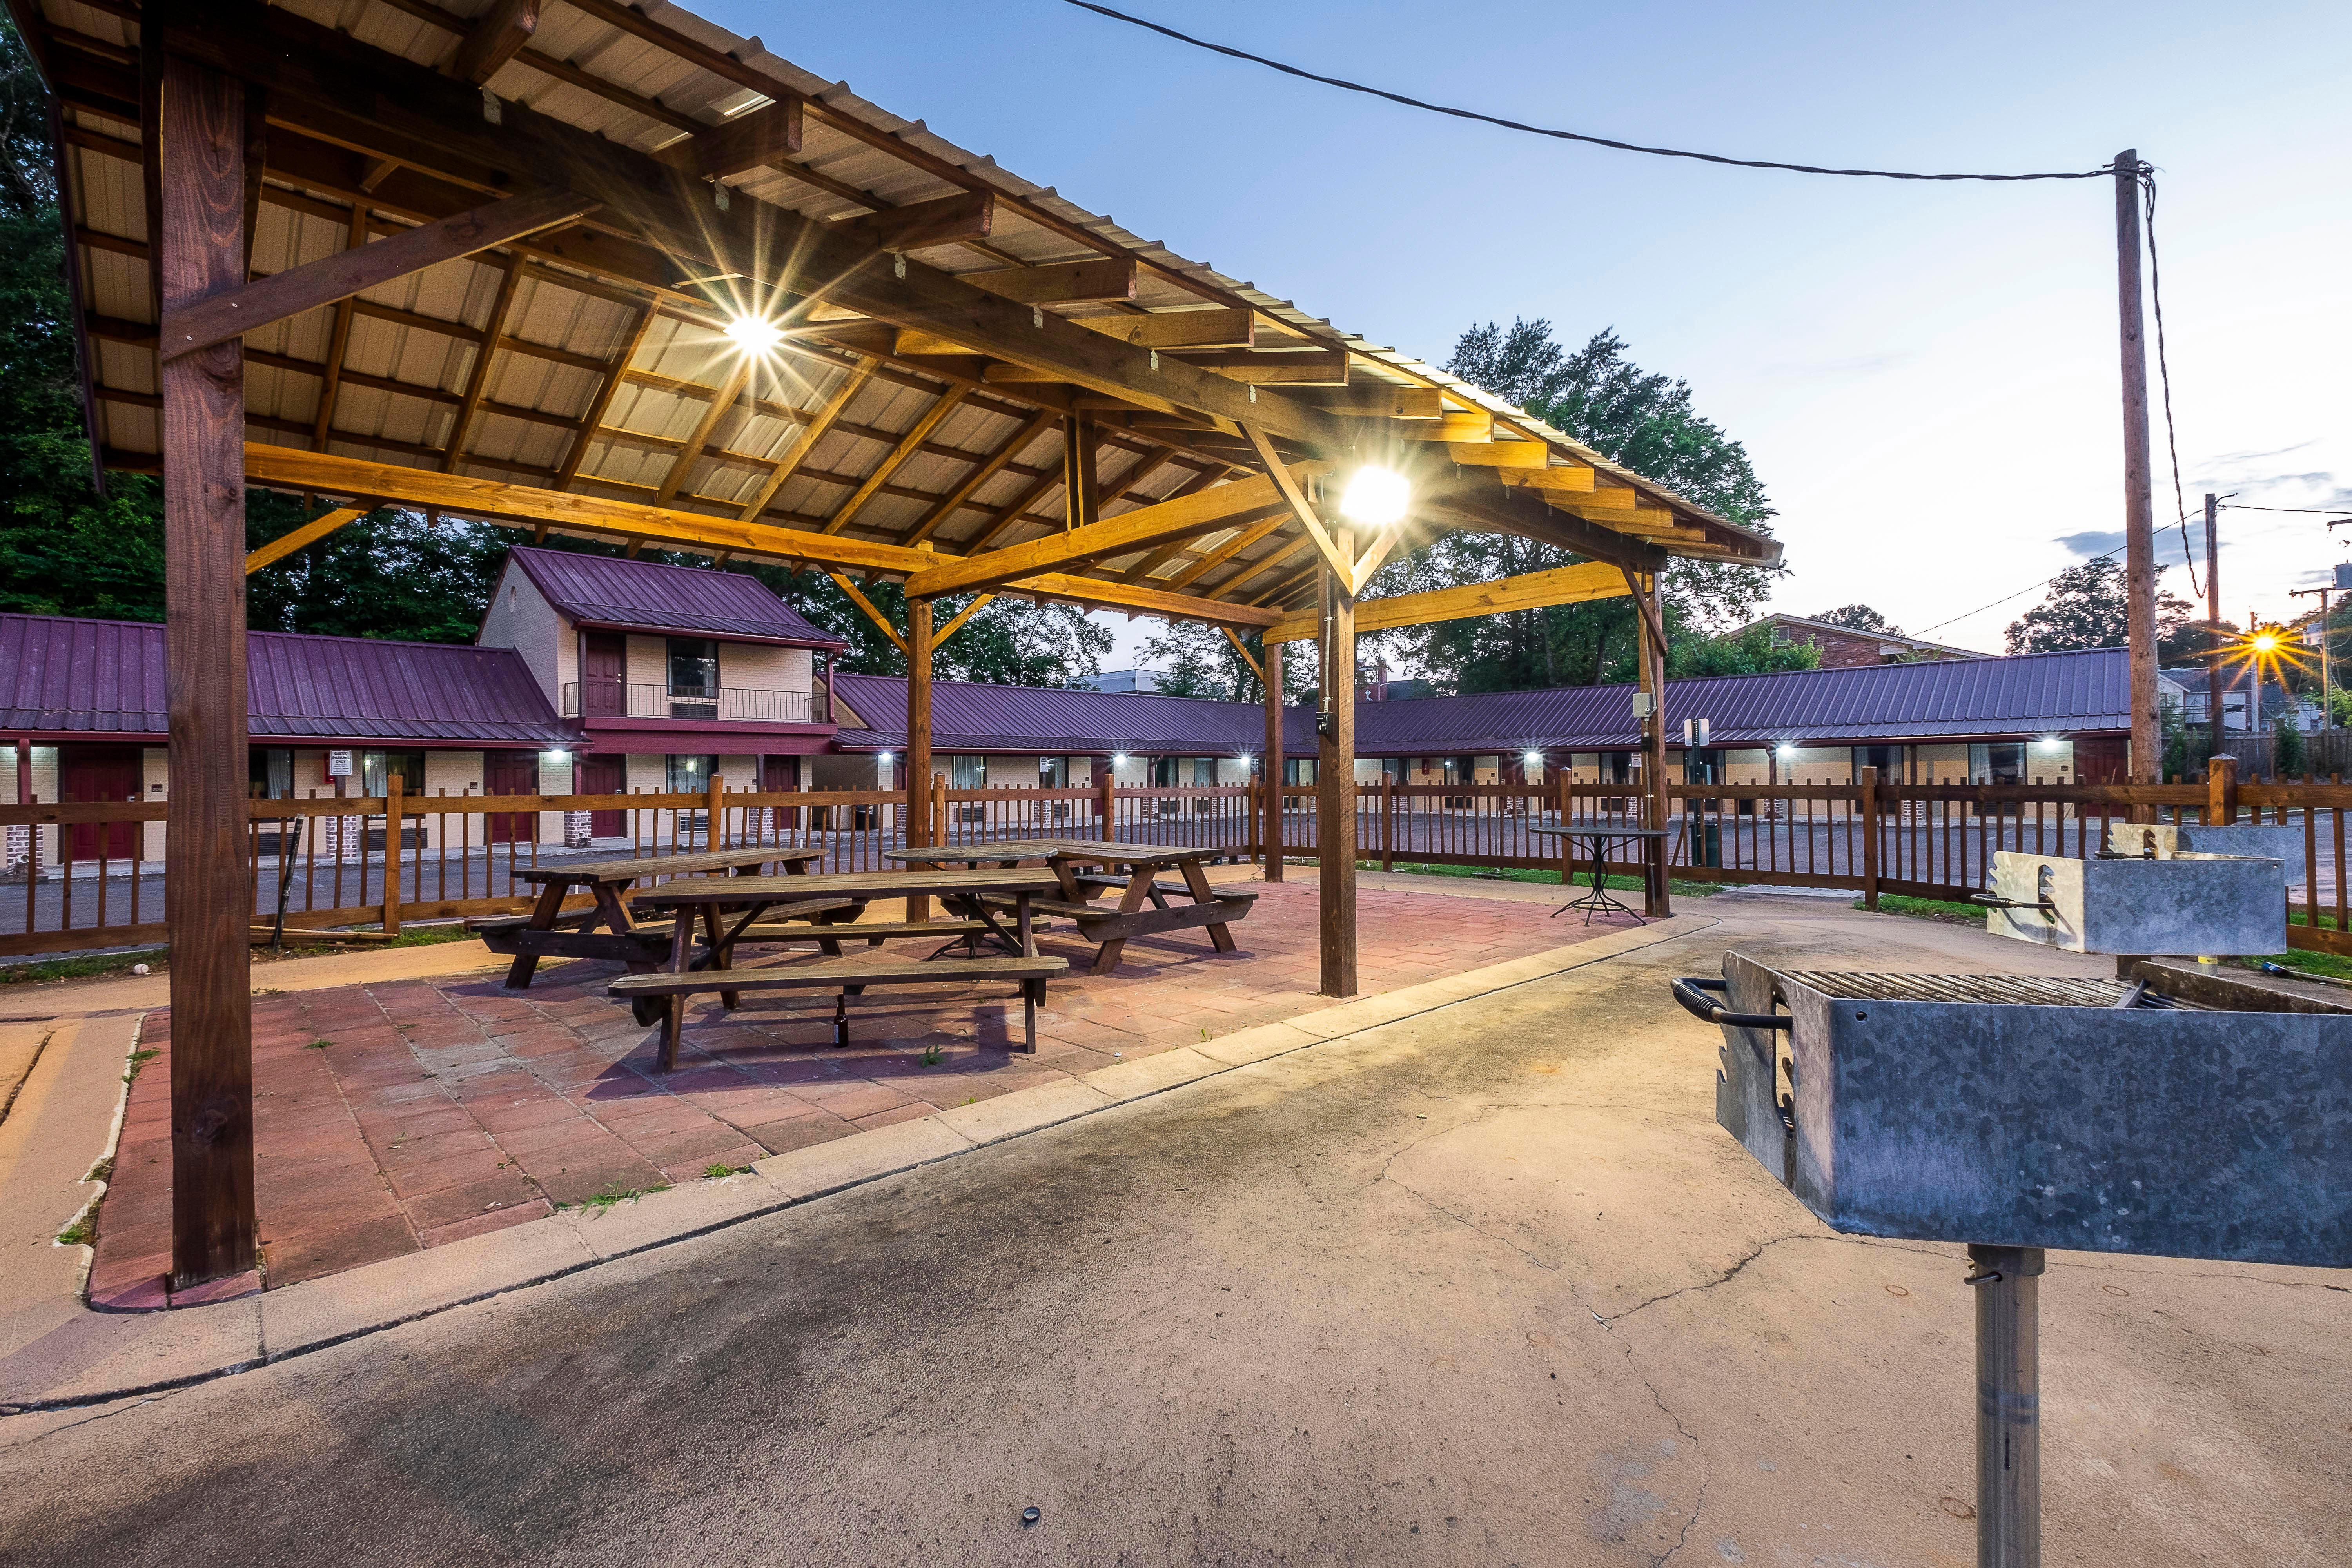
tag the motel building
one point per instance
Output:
(598, 676)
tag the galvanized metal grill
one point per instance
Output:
(2010, 990)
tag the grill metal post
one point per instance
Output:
(2007, 1283)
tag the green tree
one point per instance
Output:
(1860, 617)
(2087, 607)
(2289, 756)
(1751, 652)
(1195, 660)
(1641, 419)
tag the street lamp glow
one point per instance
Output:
(886, 757)
(2265, 642)
(1532, 757)
(1118, 759)
(1376, 497)
(755, 334)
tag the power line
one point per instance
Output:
(2106, 172)
(2164, 373)
(2313, 510)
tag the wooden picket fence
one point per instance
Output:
(379, 861)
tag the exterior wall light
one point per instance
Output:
(885, 758)
(1376, 497)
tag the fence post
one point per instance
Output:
(2222, 791)
(938, 808)
(1388, 823)
(1870, 838)
(714, 814)
(391, 787)
(1109, 802)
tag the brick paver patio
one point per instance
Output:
(395, 1117)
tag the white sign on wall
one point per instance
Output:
(339, 765)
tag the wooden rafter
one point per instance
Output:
(1205, 513)
(222, 316)
(908, 444)
(810, 435)
(857, 597)
(339, 339)
(606, 386)
(295, 539)
(987, 469)
(1224, 553)
(1012, 511)
(495, 38)
(1243, 648)
(1534, 590)
(978, 605)
(478, 375)
(766, 135)
(690, 453)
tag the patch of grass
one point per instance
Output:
(2334, 965)
(720, 1173)
(318, 1045)
(1929, 909)
(103, 1171)
(1542, 876)
(138, 1058)
(82, 1232)
(87, 966)
(603, 1201)
(933, 1056)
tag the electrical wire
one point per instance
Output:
(2104, 172)
(2164, 374)
(2005, 598)
(2313, 510)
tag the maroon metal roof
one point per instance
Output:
(1955, 699)
(61, 676)
(608, 591)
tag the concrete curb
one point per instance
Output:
(98, 1357)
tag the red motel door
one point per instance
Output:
(603, 675)
(510, 772)
(101, 773)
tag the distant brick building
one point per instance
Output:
(1843, 647)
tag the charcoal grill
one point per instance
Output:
(2280, 841)
(2177, 1112)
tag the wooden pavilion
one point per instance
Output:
(570, 268)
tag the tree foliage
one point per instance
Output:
(2087, 607)
(1858, 617)
(1195, 660)
(1641, 419)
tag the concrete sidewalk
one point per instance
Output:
(68, 1355)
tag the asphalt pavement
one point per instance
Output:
(1483, 1286)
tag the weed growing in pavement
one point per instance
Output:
(138, 1058)
(719, 1172)
(82, 1232)
(604, 1201)
(318, 1045)
(932, 1056)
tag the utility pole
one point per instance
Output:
(2325, 708)
(2213, 621)
(2139, 516)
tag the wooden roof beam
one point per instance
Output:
(908, 444)
(816, 430)
(764, 136)
(1109, 281)
(856, 596)
(993, 465)
(330, 75)
(1534, 590)
(495, 39)
(493, 501)
(1205, 512)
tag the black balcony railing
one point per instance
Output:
(629, 700)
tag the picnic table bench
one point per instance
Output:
(962, 891)
(1111, 926)
(548, 931)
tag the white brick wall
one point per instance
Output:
(520, 618)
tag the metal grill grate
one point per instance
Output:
(2016, 990)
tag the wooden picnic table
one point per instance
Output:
(962, 891)
(548, 932)
(1111, 926)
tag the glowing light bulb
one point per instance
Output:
(2265, 641)
(755, 334)
(1376, 497)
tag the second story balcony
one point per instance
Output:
(593, 699)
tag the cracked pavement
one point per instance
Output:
(1486, 1285)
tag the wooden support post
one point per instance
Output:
(1081, 500)
(1335, 826)
(2140, 530)
(206, 905)
(1272, 834)
(919, 737)
(1109, 803)
(1388, 822)
(1652, 672)
(714, 814)
(1870, 838)
(392, 812)
(2222, 791)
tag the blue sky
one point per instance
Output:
(1925, 375)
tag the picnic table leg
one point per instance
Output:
(1032, 991)
(1130, 902)
(1028, 935)
(722, 953)
(542, 917)
(682, 944)
(1221, 936)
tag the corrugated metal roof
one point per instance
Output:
(106, 677)
(645, 78)
(1949, 699)
(602, 591)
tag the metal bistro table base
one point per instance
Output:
(1597, 900)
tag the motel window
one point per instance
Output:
(968, 772)
(270, 770)
(1164, 772)
(689, 774)
(1298, 771)
(1052, 773)
(377, 767)
(2000, 762)
(1887, 760)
